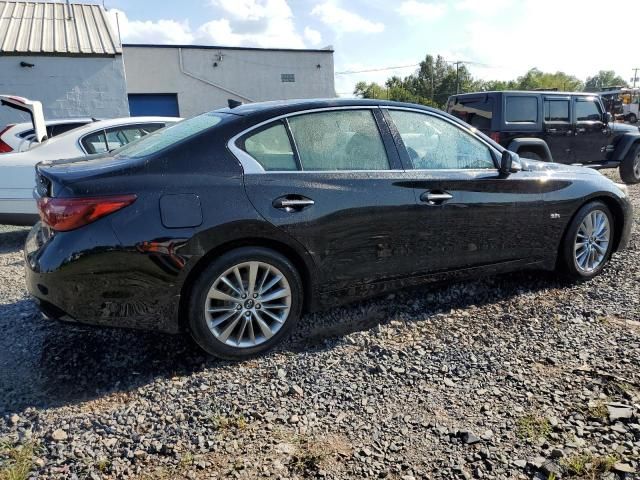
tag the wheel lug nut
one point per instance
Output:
(244, 295)
(258, 306)
(255, 295)
(247, 314)
(238, 307)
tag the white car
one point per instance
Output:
(17, 174)
(18, 137)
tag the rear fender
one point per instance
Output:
(536, 144)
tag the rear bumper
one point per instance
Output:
(74, 279)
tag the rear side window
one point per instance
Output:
(587, 111)
(477, 112)
(339, 140)
(95, 143)
(556, 110)
(271, 148)
(521, 109)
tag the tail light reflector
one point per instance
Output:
(64, 214)
(4, 147)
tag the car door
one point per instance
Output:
(558, 129)
(333, 181)
(591, 133)
(484, 217)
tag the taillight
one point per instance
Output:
(4, 147)
(495, 136)
(64, 214)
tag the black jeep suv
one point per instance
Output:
(572, 128)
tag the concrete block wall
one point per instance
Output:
(67, 86)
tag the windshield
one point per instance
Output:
(170, 135)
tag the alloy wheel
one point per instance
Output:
(636, 166)
(248, 304)
(592, 241)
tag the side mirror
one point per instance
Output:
(607, 117)
(506, 162)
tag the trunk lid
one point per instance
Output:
(33, 108)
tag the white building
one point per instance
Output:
(187, 80)
(66, 56)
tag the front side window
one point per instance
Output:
(339, 140)
(556, 111)
(435, 144)
(587, 111)
(271, 148)
(521, 109)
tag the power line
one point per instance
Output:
(381, 69)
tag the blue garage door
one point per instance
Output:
(160, 104)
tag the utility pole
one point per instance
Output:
(458, 76)
(635, 76)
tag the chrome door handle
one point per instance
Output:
(552, 130)
(435, 198)
(292, 204)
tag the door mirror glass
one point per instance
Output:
(607, 117)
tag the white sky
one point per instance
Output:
(508, 37)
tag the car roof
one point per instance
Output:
(526, 92)
(277, 107)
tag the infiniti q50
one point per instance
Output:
(232, 224)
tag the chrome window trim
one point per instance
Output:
(251, 166)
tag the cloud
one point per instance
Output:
(422, 11)
(483, 7)
(255, 23)
(161, 31)
(312, 36)
(344, 21)
(517, 53)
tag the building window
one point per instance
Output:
(288, 77)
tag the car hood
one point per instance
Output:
(620, 128)
(551, 167)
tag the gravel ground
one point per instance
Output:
(517, 376)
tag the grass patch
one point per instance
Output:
(532, 427)
(222, 422)
(313, 454)
(598, 410)
(16, 461)
(588, 466)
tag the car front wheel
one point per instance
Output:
(588, 241)
(630, 166)
(245, 302)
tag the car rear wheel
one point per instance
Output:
(588, 241)
(630, 166)
(632, 118)
(244, 303)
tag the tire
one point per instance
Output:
(258, 331)
(632, 118)
(573, 259)
(530, 155)
(630, 166)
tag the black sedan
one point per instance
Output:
(232, 224)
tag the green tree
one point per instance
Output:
(537, 79)
(604, 78)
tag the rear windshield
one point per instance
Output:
(170, 135)
(477, 112)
